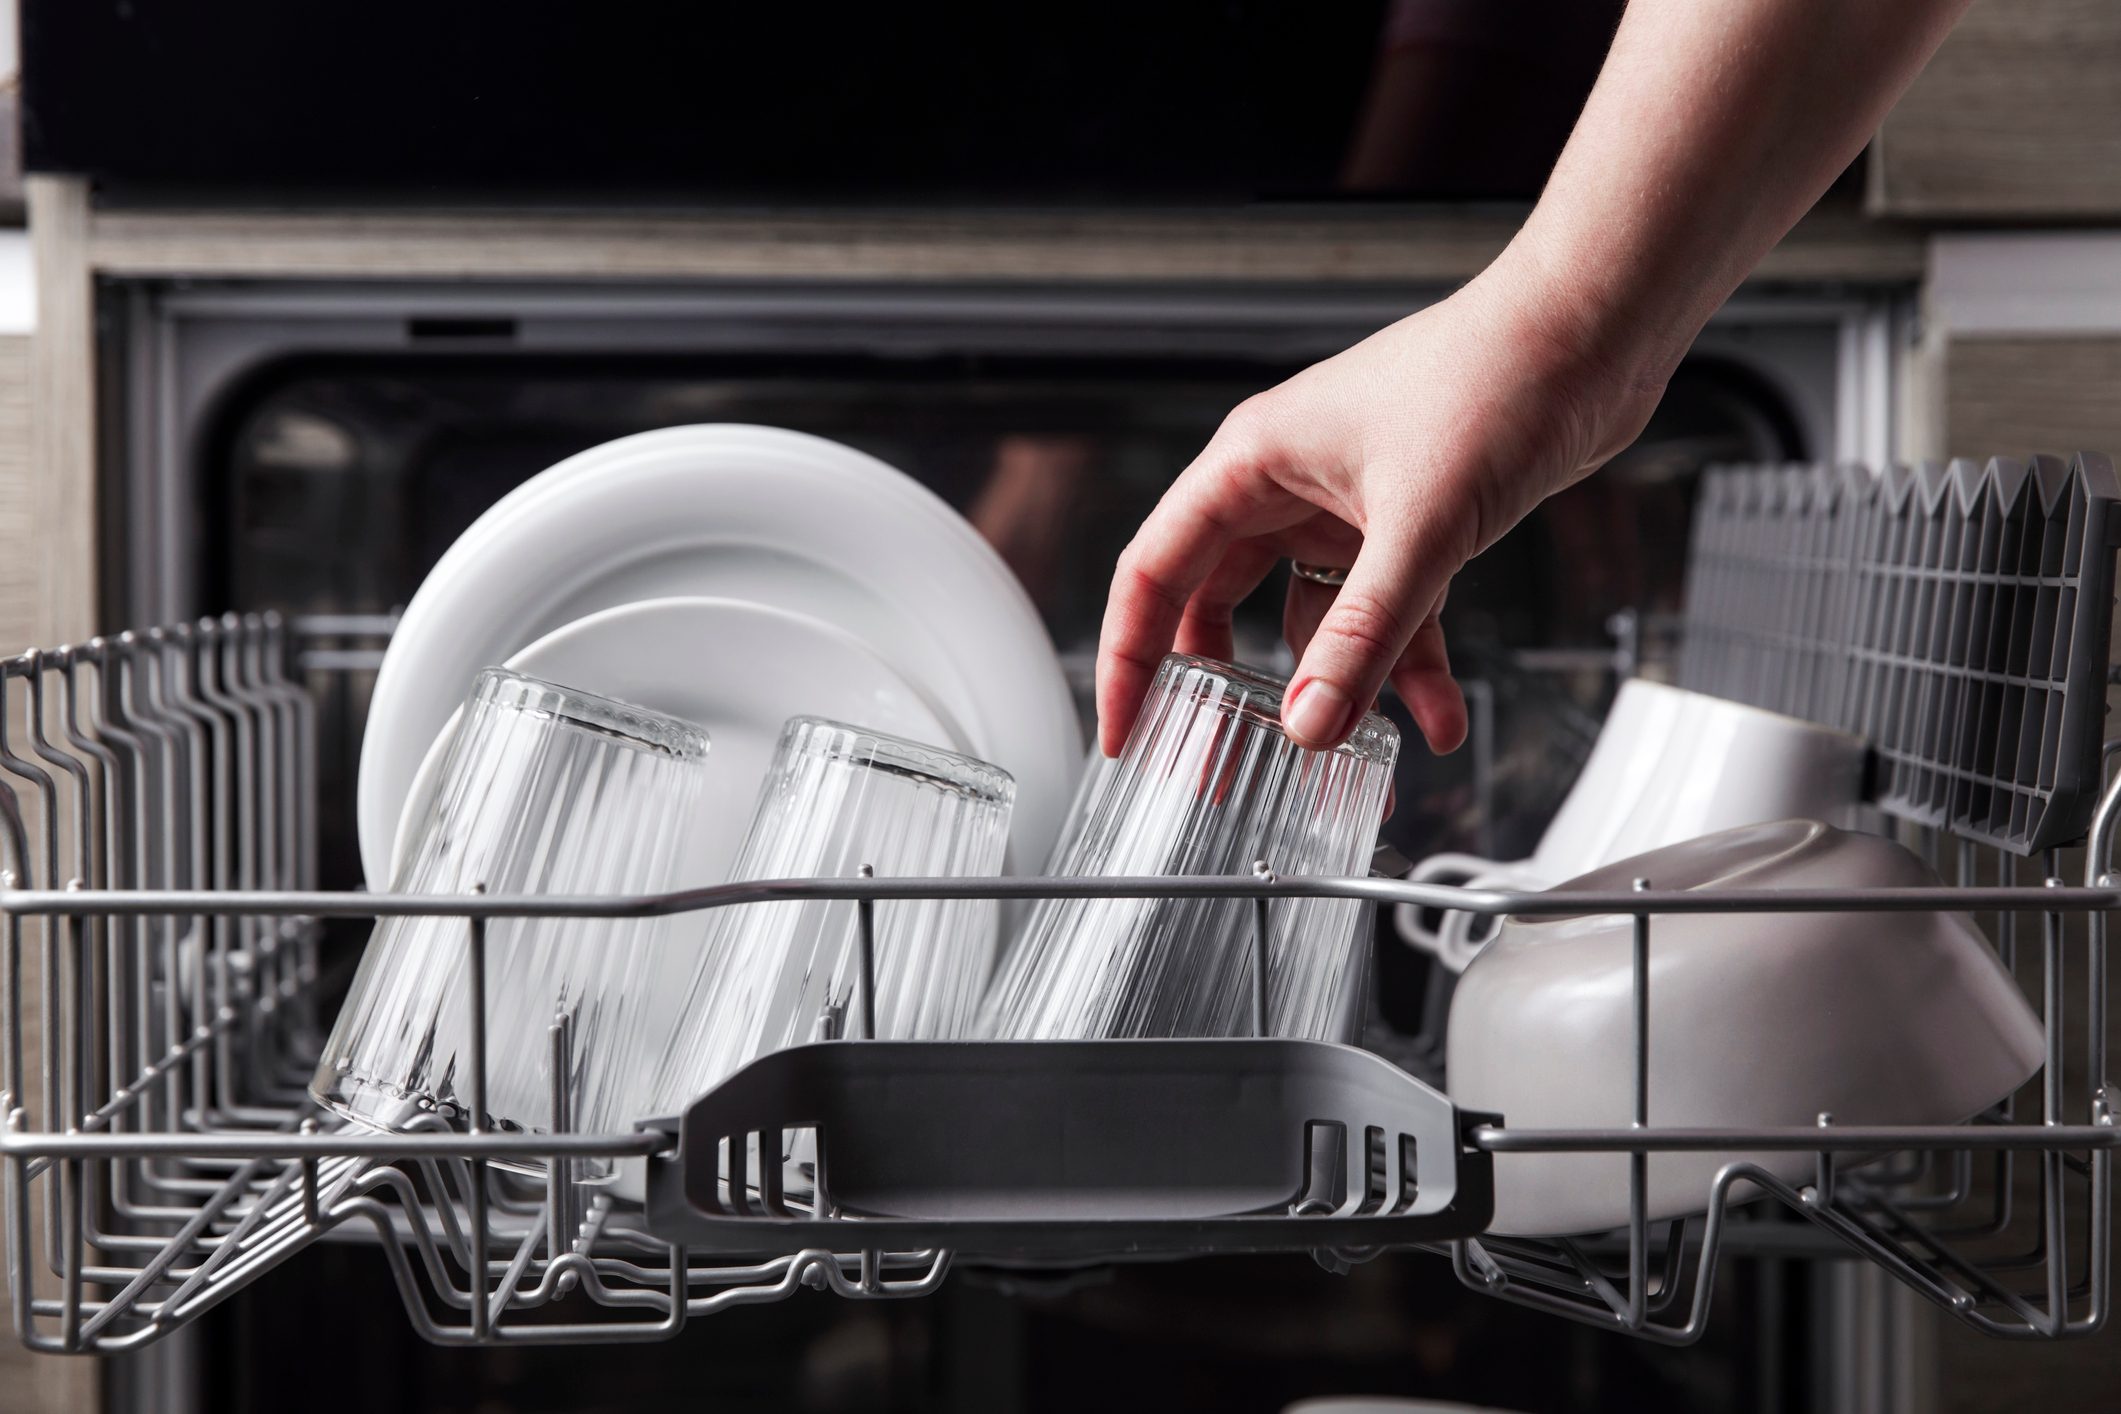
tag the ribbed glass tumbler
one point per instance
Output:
(545, 790)
(1208, 784)
(777, 973)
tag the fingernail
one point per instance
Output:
(1317, 712)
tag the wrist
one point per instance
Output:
(1602, 356)
(1593, 310)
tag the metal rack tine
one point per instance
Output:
(158, 1152)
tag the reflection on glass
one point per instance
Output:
(1208, 784)
(545, 791)
(775, 974)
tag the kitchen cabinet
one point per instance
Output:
(2017, 118)
(18, 568)
(2022, 353)
(2018, 393)
(29, 1384)
(2021, 344)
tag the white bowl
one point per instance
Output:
(1669, 765)
(1755, 1020)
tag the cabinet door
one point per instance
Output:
(2009, 395)
(2017, 116)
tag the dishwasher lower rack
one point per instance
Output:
(159, 935)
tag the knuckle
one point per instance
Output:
(1129, 653)
(1244, 427)
(1134, 582)
(1372, 627)
(1486, 513)
(1128, 566)
(1219, 597)
(1209, 604)
(1468, 512)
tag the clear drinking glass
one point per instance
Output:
(839, 797)
(545, 790)
(1208, 784)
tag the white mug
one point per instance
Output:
(1727, 765)
(1619, 768)
(1669, 765)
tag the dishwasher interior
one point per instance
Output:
(182, 760)
(200, 1195)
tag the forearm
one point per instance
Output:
(1714, 125)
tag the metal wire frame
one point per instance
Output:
(163, 1153)
(177, 1046)
(1921, 1213)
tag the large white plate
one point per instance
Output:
(761, 514)
(740, 670)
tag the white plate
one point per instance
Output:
(740, 670)
(755, 513)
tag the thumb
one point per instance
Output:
(1394, 583)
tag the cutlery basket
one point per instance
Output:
(160, 936)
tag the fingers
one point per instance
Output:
(1393, 589)
(1213, 538)
(1205, 628)
(1303, 611)
(1175, 552)
(1421, 675)
(1221, 498)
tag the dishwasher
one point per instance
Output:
(163, 921)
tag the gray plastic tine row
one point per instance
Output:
(1956, 616)
(1769, 581)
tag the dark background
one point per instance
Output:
(1191, 101)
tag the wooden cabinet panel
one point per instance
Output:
(2018, 116)
(2010, 395)
(2007, 396)
(29, 1384)
(18, 546)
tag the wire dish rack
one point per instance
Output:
(1955, 615)
(159, 946)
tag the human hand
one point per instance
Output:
(1400, 459)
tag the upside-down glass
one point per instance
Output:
(839, 797)
(546, 790)
(1208, 784)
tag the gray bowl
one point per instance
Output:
(1755, 1020)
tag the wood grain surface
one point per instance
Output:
(2017, 117)
(1350, 245)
